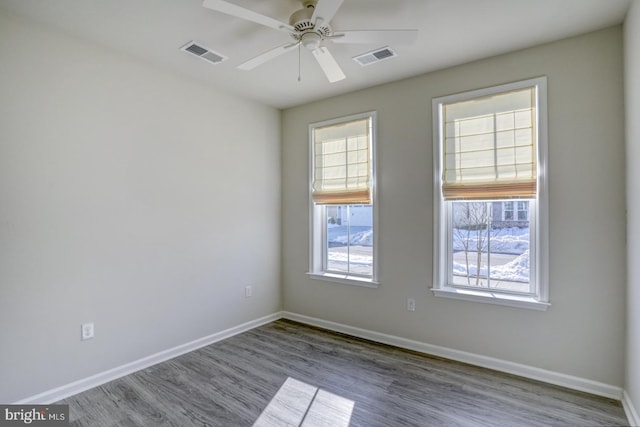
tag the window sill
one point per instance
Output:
(344, 279)
(492, 298)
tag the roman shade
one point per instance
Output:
(342, 163)
(489, 147)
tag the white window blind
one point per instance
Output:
(342, 163)
(489, 147)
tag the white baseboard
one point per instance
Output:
(76, 387)
(551, 377)
(630, 410)
(530, 372)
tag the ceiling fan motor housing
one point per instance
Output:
(307, 32)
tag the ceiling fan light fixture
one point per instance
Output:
(311, 40)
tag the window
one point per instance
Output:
(515, 211)
(342, 198)
(490, 195)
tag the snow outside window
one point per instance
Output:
(490, 195)
(342, 200)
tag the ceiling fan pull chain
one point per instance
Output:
(299, 62)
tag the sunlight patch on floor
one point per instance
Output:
(300, 404)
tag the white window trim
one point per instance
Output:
(317, 227)
(440, 273)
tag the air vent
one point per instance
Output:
(203, 52)
(375, 56)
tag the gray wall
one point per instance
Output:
(582, 334)
(632, 101)
(130, 198)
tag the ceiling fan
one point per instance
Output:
(309, 27)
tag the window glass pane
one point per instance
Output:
(488, 252)
(470, 243)
(349, 240)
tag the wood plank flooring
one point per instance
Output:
(231, 383)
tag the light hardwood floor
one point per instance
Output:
(231, 382)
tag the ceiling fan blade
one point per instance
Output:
(325, 10)
(266, 56)
(375, 36)
(249, 15)
(328, 64)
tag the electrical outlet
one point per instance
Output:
(411, 304)
(87, 331)
(248, 291)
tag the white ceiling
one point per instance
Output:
(450, 32)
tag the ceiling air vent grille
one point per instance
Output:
(203, 52)
(375, 56)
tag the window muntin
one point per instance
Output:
(490, 157)
(342, 200)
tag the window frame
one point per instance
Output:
(317, 213)
(538, 213)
